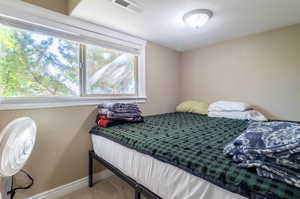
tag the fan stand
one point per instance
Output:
(13, 190)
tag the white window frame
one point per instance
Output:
(20, 14)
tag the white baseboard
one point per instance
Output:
(71, 187)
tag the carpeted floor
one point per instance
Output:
(111, 188)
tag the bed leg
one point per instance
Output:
(137, 194)
(90, 169)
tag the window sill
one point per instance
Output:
(54, 102)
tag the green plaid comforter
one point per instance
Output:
(195, 144)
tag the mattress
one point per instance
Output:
(194, 143)
(165, 180)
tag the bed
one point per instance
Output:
(180, 155)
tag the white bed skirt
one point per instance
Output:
(165, 180)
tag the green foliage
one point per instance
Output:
(33, 64)
(36, 65)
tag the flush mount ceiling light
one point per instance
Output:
(197, 18)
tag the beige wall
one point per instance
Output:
(60, 155)
(162, 83)
(262, 69)
(61, 6)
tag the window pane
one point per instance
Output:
(34, 64)
(110, 72)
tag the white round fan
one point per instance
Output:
(16, 144)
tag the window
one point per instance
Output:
(34, 65)
(110, 72)
(45, 63)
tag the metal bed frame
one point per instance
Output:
(139, 189)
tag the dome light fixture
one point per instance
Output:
(197, 18)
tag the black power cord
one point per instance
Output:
(13, 190)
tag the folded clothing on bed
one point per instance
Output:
(120, 107)
(118, 113)
(103, 121)
(273, 148)
(115, 115)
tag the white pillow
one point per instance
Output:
(240, 115)
(228, 106)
